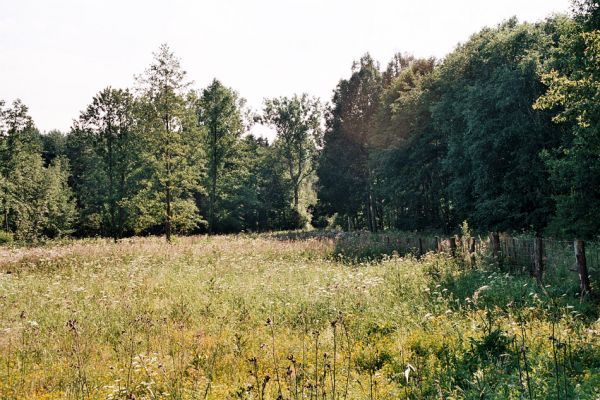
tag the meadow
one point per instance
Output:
(285, 317)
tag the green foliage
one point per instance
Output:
(36, 200)
(220, 113)
(486, 89)
(458, 139)
(502, 132)
(575, 165)
(345, 173)
(62, 211)
(170, 141)
(54, 144)
(410, 178)
(104, 154)
(6, 237)
(41, 200)
(297, 121)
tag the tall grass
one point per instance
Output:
(280, 316)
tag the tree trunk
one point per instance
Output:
(538, 262)
(122, 193)
(371, 212)
(168, 216)
(296, 197)
(5, 206)
(168, 180)
(213, 182)
(212, 200)
(472, 258)
(584, 278)
(111, 187)
(495, 239)
(453, 247)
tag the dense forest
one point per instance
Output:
(504, 133)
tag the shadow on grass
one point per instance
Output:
(490, 287)
(364, 246)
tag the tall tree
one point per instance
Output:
(36, 200)
(271, 188)
(54, 145)
(19, 139)
(108, 125)
(297, 121)
(345, 170)
(496, 177)
(4, 155)
(170, 138)
(62, 211)
(408, 151)
(220, 113)
(574, 98)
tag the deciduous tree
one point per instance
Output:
(297, 121)
(170, 141)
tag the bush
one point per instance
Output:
(6, 237)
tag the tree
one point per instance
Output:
(346, 178)
(587, 14)
(170, 141)
(28, 201)
(409, 152)
(107, 126)
(62, 211)
(297, 121)
(496, 177)
(54, 145)
(220, 114)
(36, 200)
(4, 157)
(19, 140)
(574, 97)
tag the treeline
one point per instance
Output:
(160, 159)
(503, 133)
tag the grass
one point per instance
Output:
(284, 316)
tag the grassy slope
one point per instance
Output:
(248, 317)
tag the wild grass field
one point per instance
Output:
(267, 317)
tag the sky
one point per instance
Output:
(56, 55)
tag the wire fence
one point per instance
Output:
(557, 258)
(541, 257)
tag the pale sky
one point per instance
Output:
(57, 54)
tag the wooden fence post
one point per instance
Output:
(495, 239)
(421, 251)
(514, 251)
(453, 246)
(538, 255)
(437, 245)
(472, 251)
(584, 278)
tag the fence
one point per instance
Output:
(561, 259)
(541, 257)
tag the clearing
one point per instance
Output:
(265, 316)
